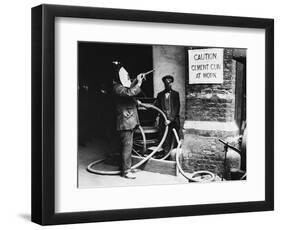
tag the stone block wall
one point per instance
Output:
(209, 115)
(203, 151)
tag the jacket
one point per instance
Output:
(126, 106)
(175, 105)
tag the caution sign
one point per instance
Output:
(205, 66)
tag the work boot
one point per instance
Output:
(129, 175)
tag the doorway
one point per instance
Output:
(240, 100)
(95, 72)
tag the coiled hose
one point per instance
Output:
(116, 172)
(191, 177)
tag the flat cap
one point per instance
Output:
(168, 77)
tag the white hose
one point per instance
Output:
(190, 177)
(116, 172)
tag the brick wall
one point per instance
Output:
(213, 102)
(209, 115)
(204, 153)
(207, 110)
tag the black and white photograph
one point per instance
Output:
(140, 114)
(160, 114)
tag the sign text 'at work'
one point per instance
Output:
(205, 66)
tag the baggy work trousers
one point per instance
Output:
(126, 139)
(170, 136)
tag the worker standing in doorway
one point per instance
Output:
(168, 101)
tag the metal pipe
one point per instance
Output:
(230, 146)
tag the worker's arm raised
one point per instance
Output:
(120, 90)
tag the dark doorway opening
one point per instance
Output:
(95, 72)
(241, 96)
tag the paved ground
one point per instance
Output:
(92, 152)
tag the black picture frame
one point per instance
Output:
(43, 110)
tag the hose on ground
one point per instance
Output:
(116, 172)
(191, 177)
